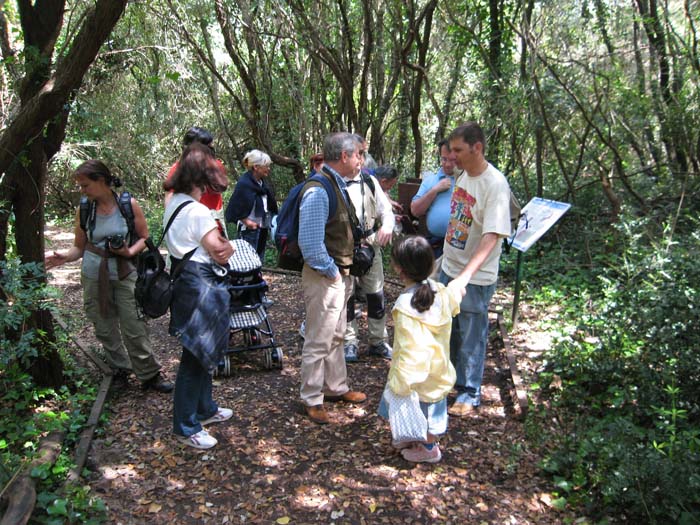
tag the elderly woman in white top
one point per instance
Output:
(253, 202)
(199, 313)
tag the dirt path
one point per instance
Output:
(273, 465)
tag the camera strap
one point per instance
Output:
(356, 228)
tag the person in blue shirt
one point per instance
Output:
(433, 198)
(326, 243)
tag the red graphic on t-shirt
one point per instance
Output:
(460, 218)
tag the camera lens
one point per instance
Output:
(115, 242)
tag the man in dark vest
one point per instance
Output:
(327, 244)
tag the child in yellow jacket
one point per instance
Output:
(421, 360)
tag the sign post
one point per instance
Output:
(536, 218)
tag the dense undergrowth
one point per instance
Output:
(622, 379)
(28, 412)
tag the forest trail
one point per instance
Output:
(273, 465)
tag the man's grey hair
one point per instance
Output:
(335, 143)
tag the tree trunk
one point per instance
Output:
(35, 135)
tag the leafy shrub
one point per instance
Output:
(28, 412)
(624, 383)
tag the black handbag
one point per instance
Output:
(154, 285)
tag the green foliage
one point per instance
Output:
(624, 378)
(22, 292)
(28, 413)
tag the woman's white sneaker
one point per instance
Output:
(201, 440)
(222, 414)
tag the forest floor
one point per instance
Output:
(273, 465)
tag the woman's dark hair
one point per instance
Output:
(386, 172)
(318, 157)
(197, 134)
(197, 168)
(414, 256)
(96, 169)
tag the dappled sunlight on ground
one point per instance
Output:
(273, 463)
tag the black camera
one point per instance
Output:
(362, 259)
(114, 242)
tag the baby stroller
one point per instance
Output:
(250, 326)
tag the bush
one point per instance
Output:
(624, 384)
(28, 412)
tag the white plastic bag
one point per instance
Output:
(408, 423)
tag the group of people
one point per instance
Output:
(441, 325)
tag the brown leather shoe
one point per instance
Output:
(349, 397)
(317, 414)
(462, 410)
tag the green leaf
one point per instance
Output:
(559, 503)
(58, 507)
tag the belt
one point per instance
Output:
(124, 268)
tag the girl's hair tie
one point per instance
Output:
(424, 281)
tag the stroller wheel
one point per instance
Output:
(251, 337)
(277, 357)
(224, 368)
(268, 359)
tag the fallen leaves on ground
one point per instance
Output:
(273, 465)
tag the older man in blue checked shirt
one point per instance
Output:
(326, 242)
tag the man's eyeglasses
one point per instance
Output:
(445, 159)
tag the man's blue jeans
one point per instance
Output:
(192, 401)
(470, 331)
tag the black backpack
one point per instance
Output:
(88, 209)
(154, 286)
(289, 255)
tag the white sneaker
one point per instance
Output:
(400, 445)
(201, 440)
(302, 329)
(221, 415)
(420, 454)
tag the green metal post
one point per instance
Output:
(516, 292)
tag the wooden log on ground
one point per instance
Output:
(81, 452)
(21, 494)
(520, 394)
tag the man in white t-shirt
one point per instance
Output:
(479, 220)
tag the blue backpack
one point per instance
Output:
(289, 255)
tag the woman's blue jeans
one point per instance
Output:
(192, 401)
(470, 332)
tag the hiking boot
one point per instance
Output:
(420, 454)
(349, 397)
(201, 440)
(120, 378)
(317, 414)
(461, 409)
(223, 414)
(158, 384)
(380, 350)
(350, 353)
